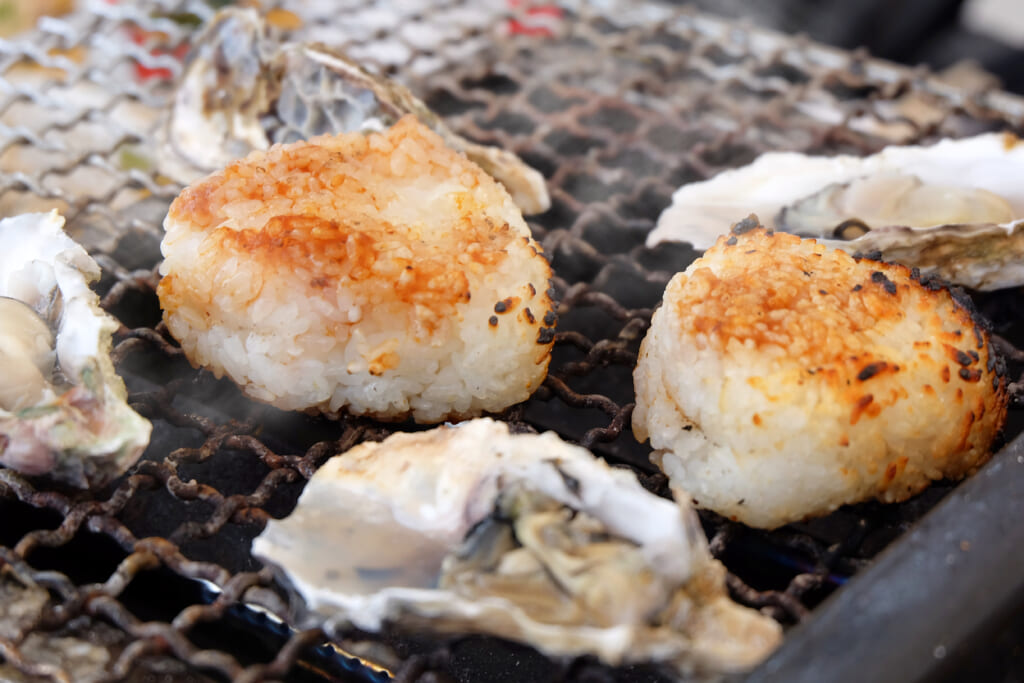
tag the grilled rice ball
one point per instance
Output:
(385, 275)
(781, 379)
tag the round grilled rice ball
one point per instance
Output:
(385, 275)
(781, 379)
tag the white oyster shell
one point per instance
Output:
(955, 208)
(471, 529)
(243, 89)
(77, 428)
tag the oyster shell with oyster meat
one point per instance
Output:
(955, 208)
(471, 529)
(62, 405)
(243, 89)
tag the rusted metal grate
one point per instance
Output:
(617, 105)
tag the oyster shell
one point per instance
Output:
(471, 529)
(955, 208)
(243, 90)
(62, 405)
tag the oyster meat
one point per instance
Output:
(471, 529)
(62, 405)
(955, 208)
(243, 89)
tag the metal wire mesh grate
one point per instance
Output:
(617, 105)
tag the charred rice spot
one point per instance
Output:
(746, 225)
(978, 337)
(945, 374)
(870, 370)
(533, 290)
(880, 278)
(969, 375)
(529, 316)
(822, 292)
(750, 251)
(741, 501)
(756, 419)
(805, 273)
(996, 364)
(858, 409)
(506, 304)
(962, 358)
(319, 282)
(932, 282)
(550, 318)
(857, 288)
(493, 321)
(974, 355)
(546, 335)
(732, 241)
(962, 301)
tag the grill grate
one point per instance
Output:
(617, 107)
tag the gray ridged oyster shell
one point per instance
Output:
(955, 208)
(243, 90)
(473, 529)
(62, 405)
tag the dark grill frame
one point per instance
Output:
(617, 109)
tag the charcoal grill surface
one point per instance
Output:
(618, 105)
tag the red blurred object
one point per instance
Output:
(536, 20)
(141, 37)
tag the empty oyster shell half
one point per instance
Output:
(472, 529)
(955, 208)
(243, 89)
(62, 405)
